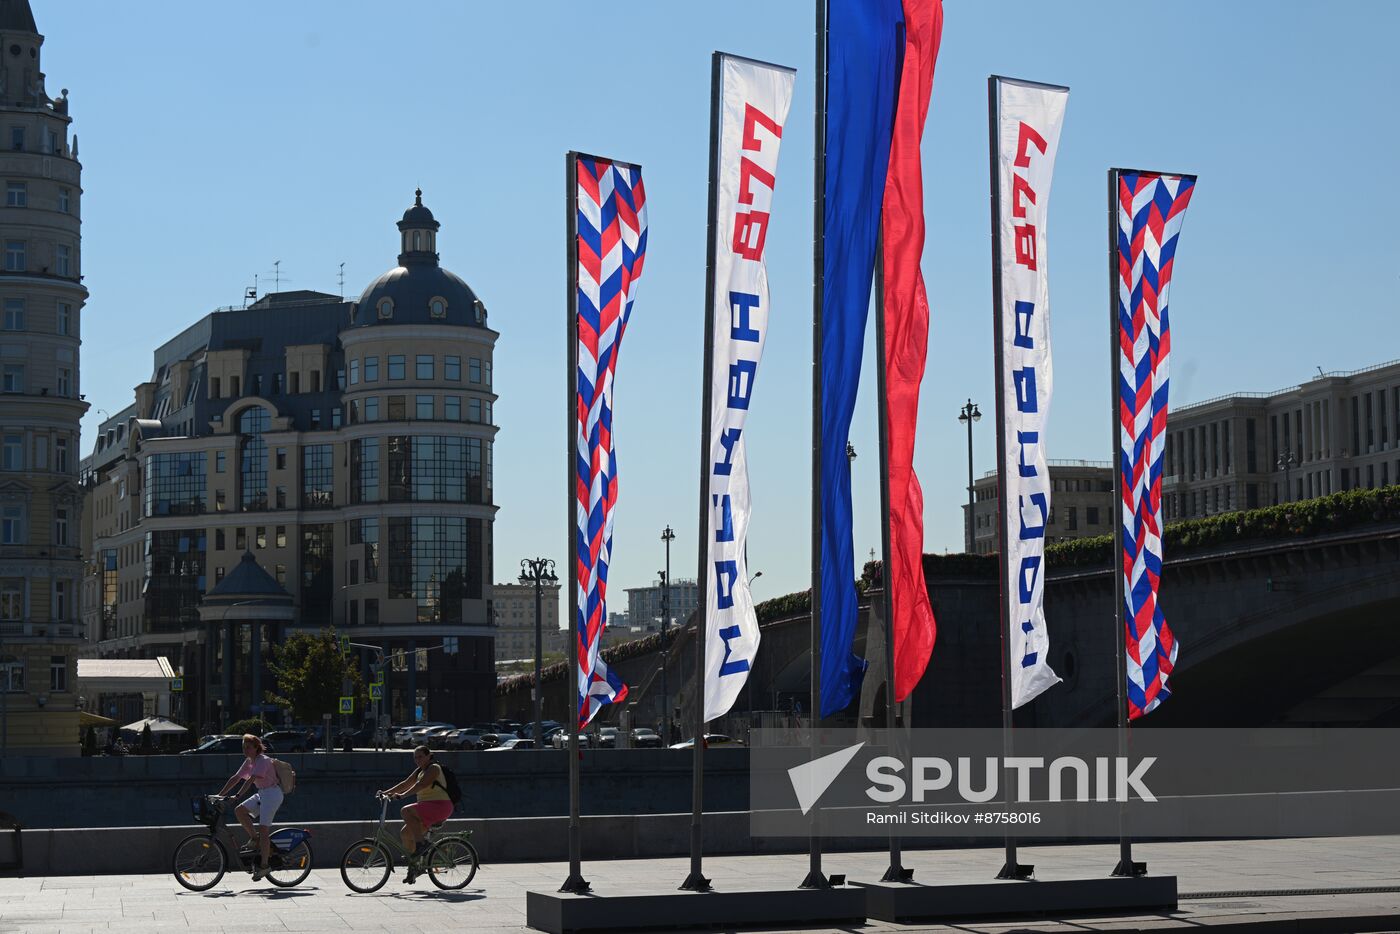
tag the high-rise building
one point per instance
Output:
(41, 299)
(302, 462)
(644, 604)
(1338, 431)
(515, 621)
(1081, 504)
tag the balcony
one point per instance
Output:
(41, 630)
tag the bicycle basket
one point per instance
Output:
(204, 812)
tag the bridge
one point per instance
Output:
(1296, 631)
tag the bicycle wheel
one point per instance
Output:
(452, 863)
(199, 862)
(293, 868)
(365, 866)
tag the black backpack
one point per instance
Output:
(450, 785)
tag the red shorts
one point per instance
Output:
(434, 812)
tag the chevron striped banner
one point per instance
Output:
(612, 242)
(1151, 207)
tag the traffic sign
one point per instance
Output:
(177, 684)
(347, 705)
(376, 691)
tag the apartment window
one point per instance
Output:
(295, 380)
(398, 365)
(11, 673)
(220, 501)
(219, 540)
(16, 195)
(1091, 515)
(1380, 417)
(58, 674)
(452, 408)
(281, 458)
(372, 611)
(371, 369)
(17, 138)
(280, 571)
(280, 501)
(14, 256)
(12, 456)
(235, 386)
(1370, 426)
(474, 411)
(354, 372)
(424, 408)
(65, 381)
(437, 307)
(372, 409)
(335, 417)
(353, 572)
(452, 368)
(340, 378)
(12, 525)
(281, 536)
(214, 388)
(240, 539)
(386, 308)
(14, 314)
(486, 372)
(65, 200)
(60, 455)
(398, 408)
(65, 318)
(315, 380)
(317, 477)
(220, 461)
(260, 536)
(60, 527)
(315, 419)
(474, 370)
(62, 264)
(423, 366)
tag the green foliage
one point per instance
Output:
(254, 725)
(309, 672)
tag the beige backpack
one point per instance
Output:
(286, 776)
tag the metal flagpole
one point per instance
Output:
(816, 879)
(575, 883)
(896, 871)
(696, 881)
(1126, 866)
(1011, 869)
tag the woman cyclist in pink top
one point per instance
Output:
(259, 770)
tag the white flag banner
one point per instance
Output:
(1028, 121)
(753, 101)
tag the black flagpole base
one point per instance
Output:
(1129, 869)
(897, 873)
(1013, 870)
(695, 883)
(575, 885)
(815, 880)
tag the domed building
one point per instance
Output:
(346, 449)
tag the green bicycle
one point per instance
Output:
(450, 861)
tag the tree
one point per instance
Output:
(310, 673)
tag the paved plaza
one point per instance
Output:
(1223, 885)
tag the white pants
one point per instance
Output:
(264, 804)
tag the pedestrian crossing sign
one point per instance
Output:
(347, 705)
(376, 691)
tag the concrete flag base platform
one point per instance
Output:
(559, 913)
(910, 903)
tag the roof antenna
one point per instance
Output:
(1320, 374)
(277, 275)
(342, 280)
(251, 293)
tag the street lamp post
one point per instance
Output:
(667, 536)
(969, 414)
(1285, 463)
(538, 571)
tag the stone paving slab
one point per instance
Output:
(495, 901)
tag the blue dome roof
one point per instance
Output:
(418, 289)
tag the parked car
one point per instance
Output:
(645, 738)
(711, 739)
(607, 737)
(561, 740)
(358, 736)
(436, 738)
(516, 743)
(462, 739)
(229, 743)
(285, 741)
(409, 736)
(491, 740)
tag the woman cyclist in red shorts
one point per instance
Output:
(433, 805)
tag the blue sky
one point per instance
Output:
(217, 139)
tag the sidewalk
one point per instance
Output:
(1225, 886)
